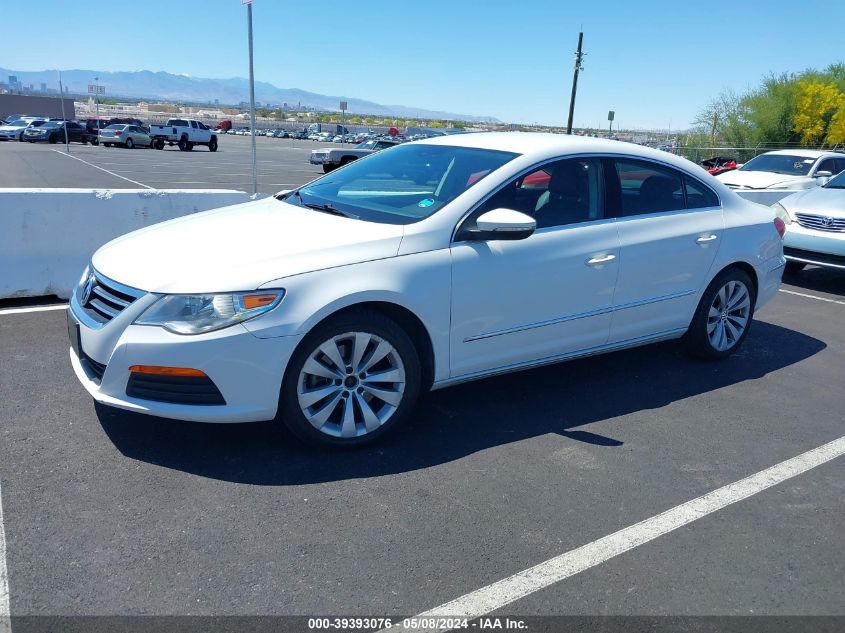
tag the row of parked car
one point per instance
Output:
(34, 129)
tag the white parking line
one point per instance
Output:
(5, 621)
(134, 182)
(503, 592)
(58, 306)
(802, 294)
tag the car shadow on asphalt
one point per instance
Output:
(818, 279)
(456, 422)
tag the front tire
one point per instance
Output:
(350, 381)
(327, 168)
(723, 317)
(212, 144)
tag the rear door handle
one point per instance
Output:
(598, 261)
(706, 239)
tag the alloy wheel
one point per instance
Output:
(728, 316)
(351, 384)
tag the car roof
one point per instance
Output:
(809, 153)
(543, 145)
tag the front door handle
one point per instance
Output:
(598, 261)
(706, 239)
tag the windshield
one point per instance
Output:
(780, 164)
(51, 124)
(837, 182)
(402, 184)
(116, 126)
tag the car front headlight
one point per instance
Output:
(197, 314)
(782, 213)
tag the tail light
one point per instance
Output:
(118, 133)
(780, 227)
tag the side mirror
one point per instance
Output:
(501, 224)
(823, 176)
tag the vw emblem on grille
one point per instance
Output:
(827, 221)
(88, 288)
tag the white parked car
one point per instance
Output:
(424, 265)
(14, 130)
(785, 169)
(815, 226)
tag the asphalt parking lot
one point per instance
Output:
(111, 513)
(282, 163)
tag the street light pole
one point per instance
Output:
(64, 119)
(248, 4)
(578, 59)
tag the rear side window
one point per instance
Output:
(649, 188)
(698, 195)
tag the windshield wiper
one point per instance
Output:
(327, 208)
(323, 208)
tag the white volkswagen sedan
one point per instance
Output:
(334, 305)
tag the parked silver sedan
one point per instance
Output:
(122, 134)
(815, 226)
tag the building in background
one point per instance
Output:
(40, 106)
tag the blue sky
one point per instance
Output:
(655, 62)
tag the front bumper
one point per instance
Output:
(319, 159)
(246, 369)
(811, 246)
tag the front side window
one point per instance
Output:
(829, 164)
(402, 184)
(565, 192)
(648, 188)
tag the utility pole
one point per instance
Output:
(64, 119)
(579, 57)
(248, 4)
(713, 129)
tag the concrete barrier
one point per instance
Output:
(47, 236)
(766, 196)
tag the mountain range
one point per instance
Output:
(146, 84)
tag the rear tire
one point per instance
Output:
(793, 268)
(723, 316)
(183, 144)
(357, 409)
(107, 144)
(130, 144)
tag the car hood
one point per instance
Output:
(12, 128)
(241, 247)
(818, 201)
(761, 179)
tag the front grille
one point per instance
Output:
(106, 299)
(174, 389)
(821, 222)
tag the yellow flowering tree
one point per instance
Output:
(816, 107)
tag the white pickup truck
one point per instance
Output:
(185, 133)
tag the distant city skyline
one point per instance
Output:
(655, 63)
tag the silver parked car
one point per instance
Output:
(815, 226)
(122, 134)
